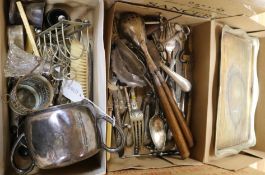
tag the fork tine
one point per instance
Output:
(142, 134)
(134, 132)
(136, 144)
(137, 122)
(139, 132)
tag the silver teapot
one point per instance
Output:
(63, 135)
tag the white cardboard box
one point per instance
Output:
(94, 11)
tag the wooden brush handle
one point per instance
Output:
(171, 120)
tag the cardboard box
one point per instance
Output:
(206, 19)
(190, 170)
(94, 11)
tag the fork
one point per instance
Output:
(137, 121)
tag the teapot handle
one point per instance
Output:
(120, 132)
(17, 169)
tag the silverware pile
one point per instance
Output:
(150, 63)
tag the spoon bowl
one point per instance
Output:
(158, 132)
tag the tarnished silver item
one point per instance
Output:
(157, 130)
(31, 93)
(137, 121)
(63, 135)
(33, 9)
(15, 36)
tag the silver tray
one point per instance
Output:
(238, 92)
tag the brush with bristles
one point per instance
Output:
(79, 65)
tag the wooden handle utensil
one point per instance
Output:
(178, 114)
(169, 108)
(173, 124)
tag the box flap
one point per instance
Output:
(206, 39)
(107, 36)
(4, 119)
(179, 162)
(210, 9)
(258, 34)
(260, 111)
(235, 162)
(145, 10)
(259, 154)
(242, 22)
(260, 165)
(116, 164)
(200, 83)
(188, 170)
